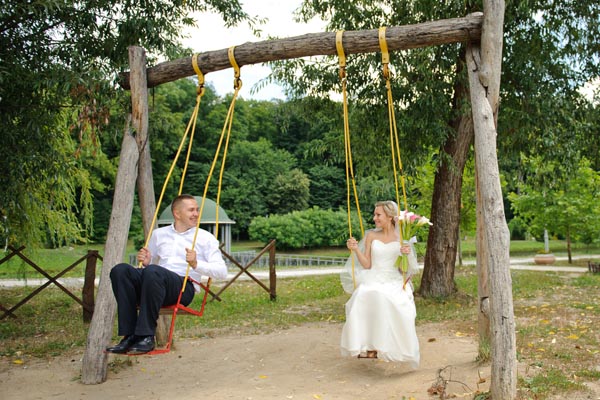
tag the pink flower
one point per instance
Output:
(410, 223)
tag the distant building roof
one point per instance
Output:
(209, 213)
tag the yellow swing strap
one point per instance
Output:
(350, 179)
(190, 127)
(237, 85)
(394, 141)
(200, 93)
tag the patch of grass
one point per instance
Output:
(49, 324)
(482, 396)
(530, 284)
(587, 373)
(546, 382)
(589, 280)
(484, 352)
(118, 364)
(456, 308)
(556, 332)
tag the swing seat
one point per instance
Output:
(181, 309)
(175, 309)
(186, 310)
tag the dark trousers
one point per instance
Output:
(141, 292)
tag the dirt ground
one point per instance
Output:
(298, 363)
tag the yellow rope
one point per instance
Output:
(394, 141)
(226, 128)
(199, 93)
(191, 126)
(350, 180)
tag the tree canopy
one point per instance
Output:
(58, 64)
(550, 52)
(63, 116)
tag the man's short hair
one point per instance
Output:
(177, 200)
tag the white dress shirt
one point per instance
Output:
(167, 247)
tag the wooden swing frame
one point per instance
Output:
(484, 35)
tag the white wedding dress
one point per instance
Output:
(380, 315)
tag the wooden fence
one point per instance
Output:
(87, 298)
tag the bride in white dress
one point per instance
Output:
(380, 315)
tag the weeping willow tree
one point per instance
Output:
(59, 60)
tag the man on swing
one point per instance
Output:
(141, 292)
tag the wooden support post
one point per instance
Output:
(145, 182)
(497, 241)
(483, 294)
(89, 288)
(272, 273)
(139, 111)
(95, 361)
(496, 237)
(485, 65)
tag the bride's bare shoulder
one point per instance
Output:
(373, 235)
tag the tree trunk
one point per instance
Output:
(459, 247)
(95, 361)
(569, 248)
(484, 82)
(497, 238)
(483, 293)
(440, 258)
(139, 101)
(145, 182)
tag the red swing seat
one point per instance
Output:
(174, 310)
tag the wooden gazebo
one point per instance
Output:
(208, 221)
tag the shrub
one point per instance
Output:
(310, 228)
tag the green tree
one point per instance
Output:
(290, 192)
(59, 60)
(248, 185)
(550, 48)
(591, 129)
(568, 209)
(310, 228)
(327, 186)
(171, 106)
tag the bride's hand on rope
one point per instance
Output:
(352, 244)
(190, 257)
(144, 256)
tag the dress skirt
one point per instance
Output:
(380, 314)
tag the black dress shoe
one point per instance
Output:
(123, 345)
(144, 345)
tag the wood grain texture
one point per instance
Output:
(433, 33)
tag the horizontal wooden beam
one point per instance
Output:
(432, 33)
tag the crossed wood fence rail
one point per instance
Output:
(272, 289)
(87, 300)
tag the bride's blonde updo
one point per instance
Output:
(390, 208)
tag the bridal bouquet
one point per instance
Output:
(409, 224)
